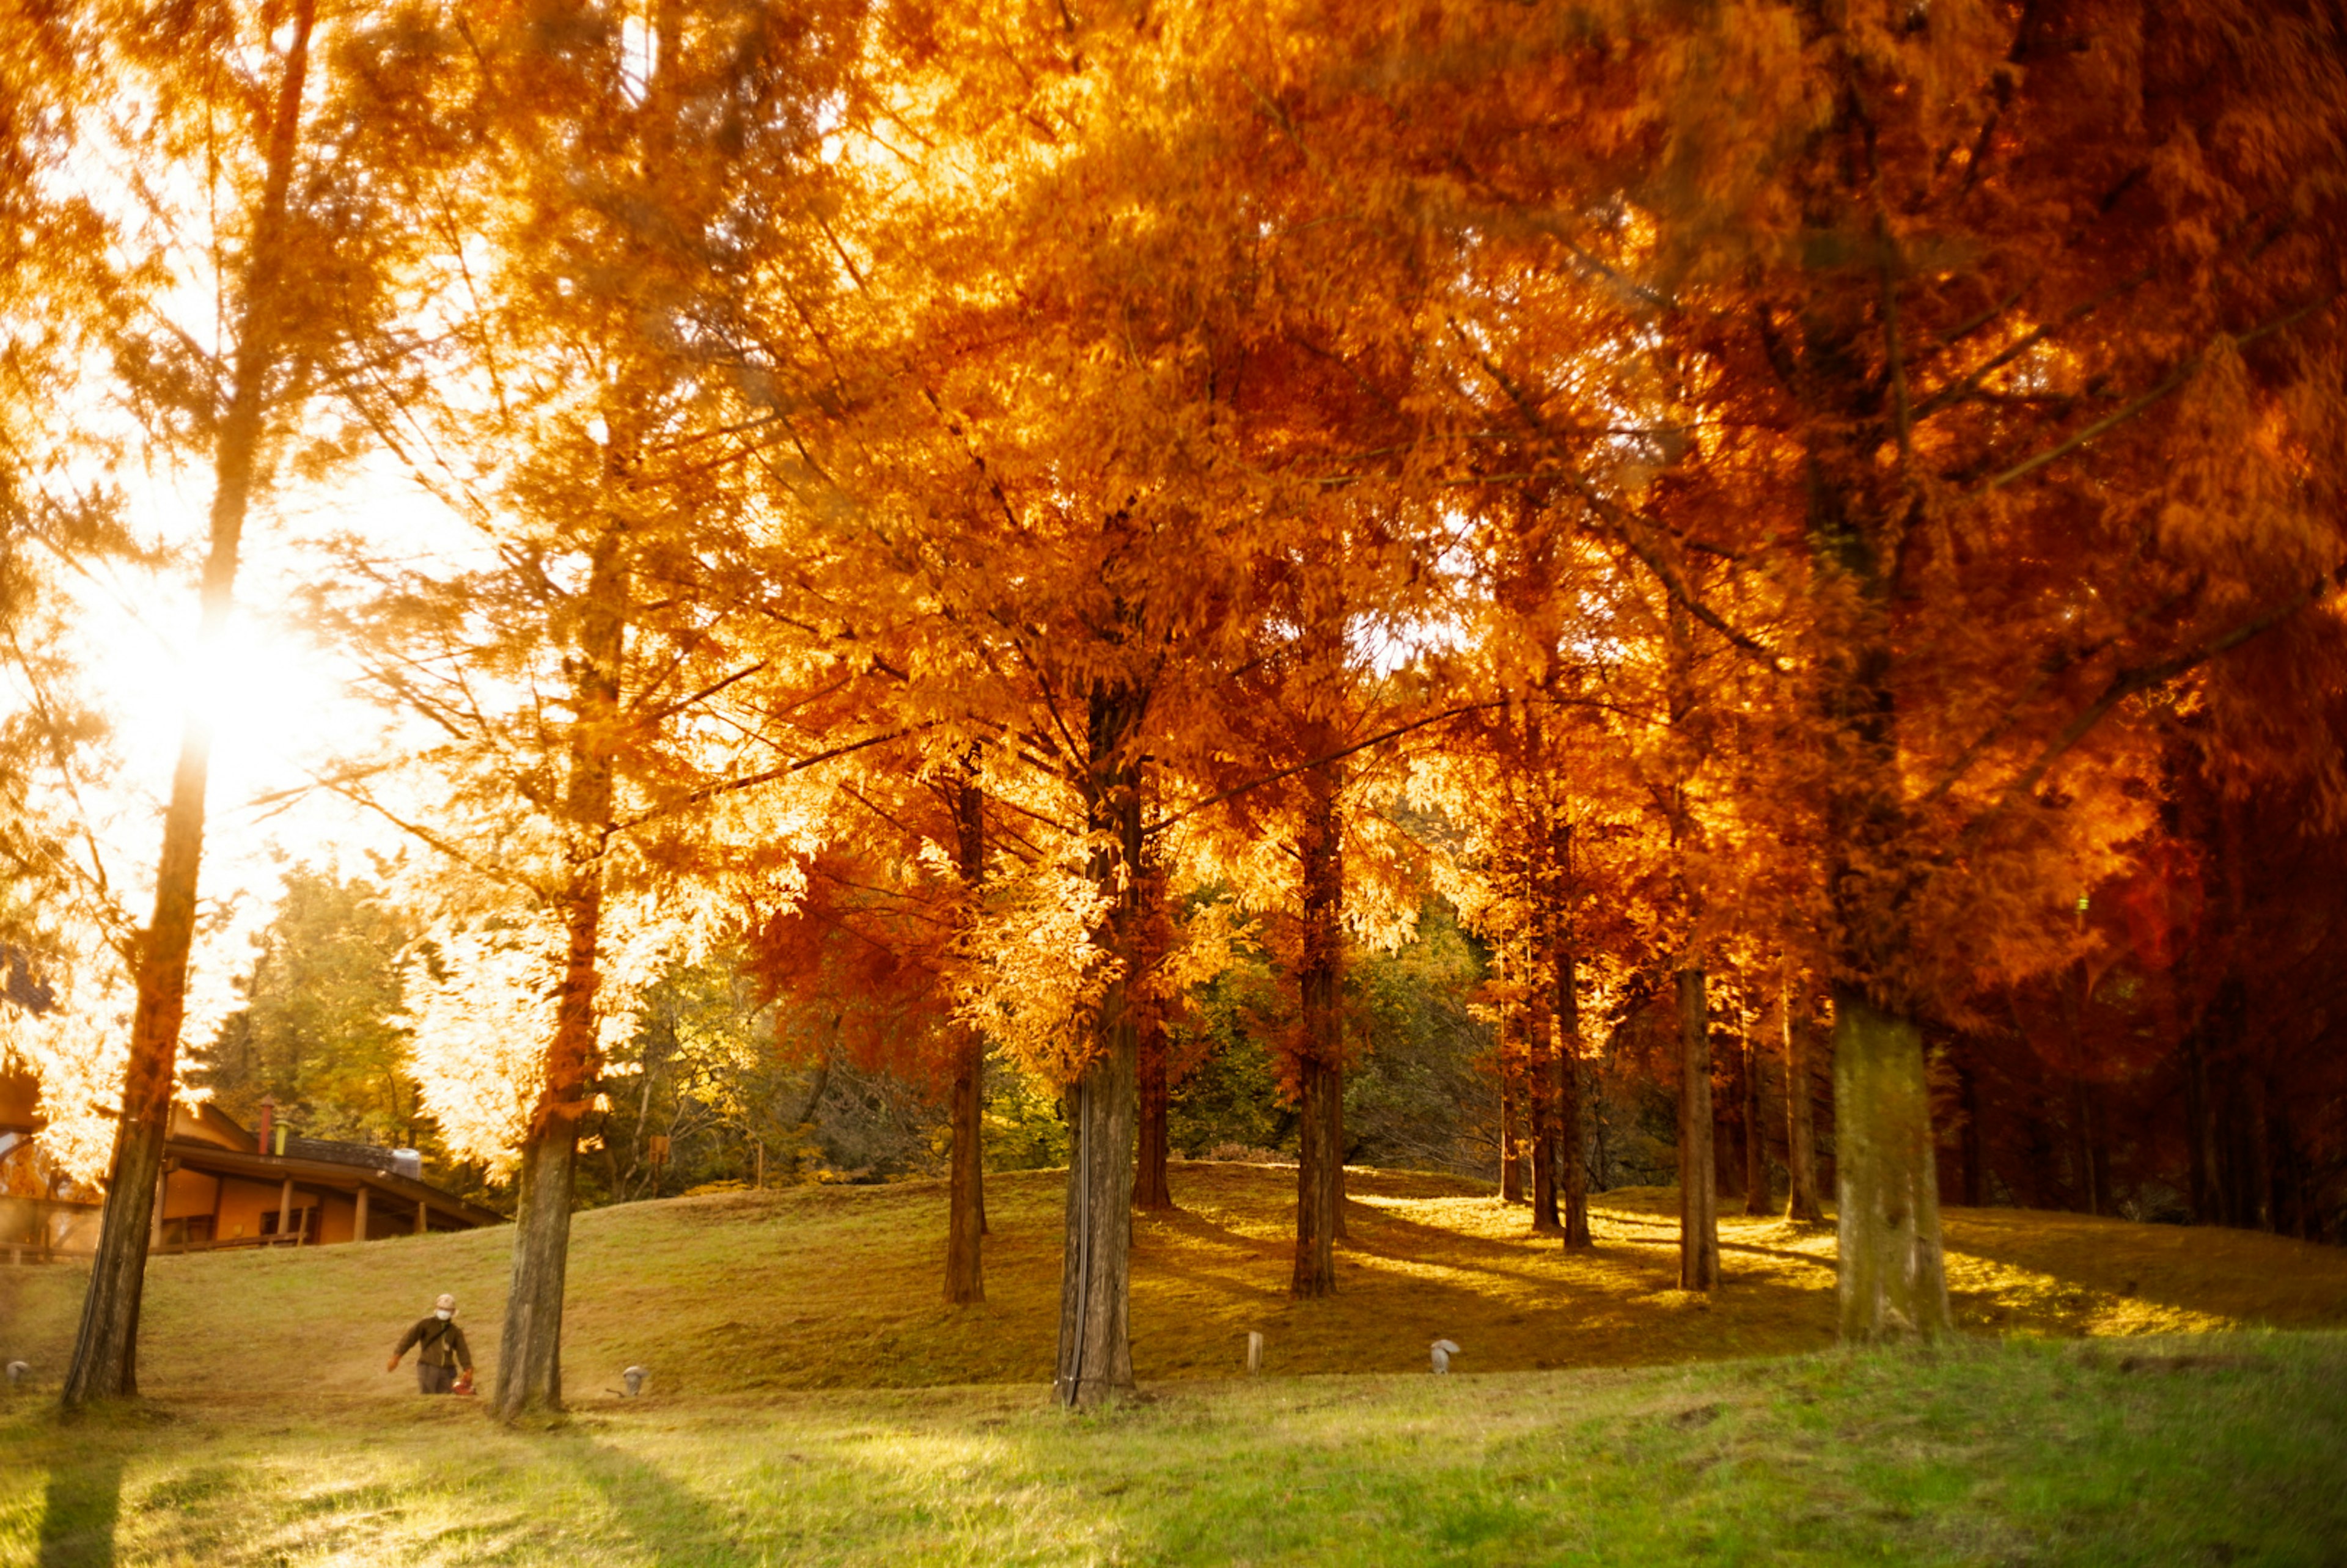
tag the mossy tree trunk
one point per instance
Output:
(1892, 1281)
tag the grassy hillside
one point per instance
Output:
(2155, 1452)
(838, 1289)
(788, 1332)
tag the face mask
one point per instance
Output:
(443, 1315)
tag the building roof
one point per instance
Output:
(341, 1176)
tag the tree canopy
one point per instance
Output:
(1030, 551)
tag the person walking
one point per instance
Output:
(440, 1349)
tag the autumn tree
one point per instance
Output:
(883, 940)
(1299, 777)
(587, 657)
(1065, 483)
(2007, 330)
(261, 132)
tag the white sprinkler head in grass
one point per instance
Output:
(1443, 1350)
(632, 1379)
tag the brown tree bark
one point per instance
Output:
(2201, 1178)
(2084, 1154)
(1972, 1150)
(529, 1350)
(1572, 1168)
(1511, 1100)
(105, 1360)
(966, 1178)
(1094, 1360)
(1802, 1204)
(2262, 1161)
(1755, 1138)
(1319, 1083)
(1698, 1201)
(1727, 1124)
(1541, 1092)
(1337, 1160)
(1151, 1193)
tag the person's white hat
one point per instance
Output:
(446, 1304)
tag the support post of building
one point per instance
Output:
(359, 1214)
(284, 1210)
(422, 1216)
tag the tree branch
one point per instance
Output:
(2167, 386)
(769, 775)
(2127, 684)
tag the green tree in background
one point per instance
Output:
(320, 1031)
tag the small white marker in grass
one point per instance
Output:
(1443, 1350)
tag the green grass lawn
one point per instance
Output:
(2222, 1450)
(2122, 1394)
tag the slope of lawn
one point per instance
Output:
(2125, 1394)
(837, 1287)
(2153, 1451)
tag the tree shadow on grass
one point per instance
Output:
(82, 1505)
(674, 1527)
(2212, 1269)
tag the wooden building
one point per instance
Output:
(223, 1186)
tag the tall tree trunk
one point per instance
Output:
(1697, 1172)
(2199, 1155)
(1512, 1105)
(1893, 1284)
(1973, 1148)
(529, 1355)
(1540, 1079)
(2262, 1163)
(1094, 1360)
(1698, 1202)
(1337, 1160)
(1320, 1085)
(1727, 1123)
(105, 1360)
(1755, 1137)
(966, 1178)
(2082, 1148)
(1571, 1167)
(1095, 1346)
(1151, 1191)
(1801, 1205)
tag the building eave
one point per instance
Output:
(212, 1160)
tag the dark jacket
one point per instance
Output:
(443, 1343)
